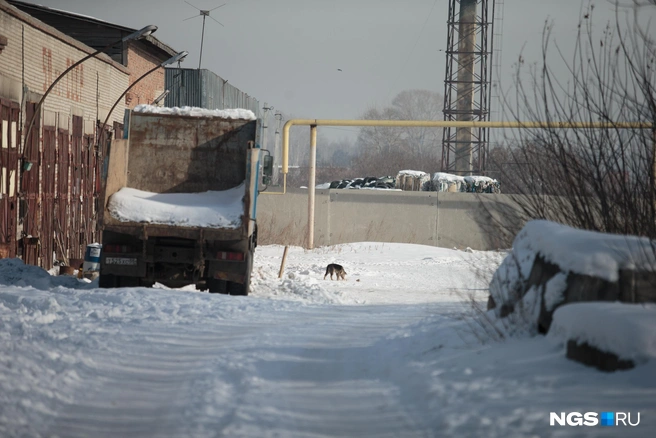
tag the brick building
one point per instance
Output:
(49, 183)
(139, 56)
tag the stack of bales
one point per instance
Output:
(413, 181)
(446, 182)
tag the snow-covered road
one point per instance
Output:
(390, 352)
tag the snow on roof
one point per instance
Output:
(478, 178)
(211, 209)
(193, 111)
(626, 330)
(416, 173)
(584, 252)
(443, 176)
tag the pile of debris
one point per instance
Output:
(418, 181)
(369, 182)
(592, 292)
(446, 182)
(413, 181)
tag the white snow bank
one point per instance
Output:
(211, 209)
(13, 272)
(578, 251)
(627, 330)
(400, 359)
(554, 291)
(193, 111)
(584, 252)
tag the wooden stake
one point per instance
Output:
(282, 264)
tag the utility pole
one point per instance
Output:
(265, 125)
(276, 149)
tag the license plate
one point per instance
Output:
(121, 261)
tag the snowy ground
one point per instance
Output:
(391, 352)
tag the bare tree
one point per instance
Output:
(595, 179)
(385, 150)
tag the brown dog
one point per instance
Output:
(336, 269)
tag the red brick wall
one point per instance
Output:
(139, 62)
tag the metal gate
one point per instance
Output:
(9, 168)
(62, 198)
(88, 199)
(48, 169)
(29, 202)
(75, 226)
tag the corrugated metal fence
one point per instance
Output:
(204, 89)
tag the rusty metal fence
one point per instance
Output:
(49, 188)
(9, 142)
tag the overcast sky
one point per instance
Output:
(288, 52)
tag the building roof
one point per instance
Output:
(55, 33)
(92, 31)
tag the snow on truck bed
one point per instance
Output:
(211, 209)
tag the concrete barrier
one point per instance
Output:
(478, 221)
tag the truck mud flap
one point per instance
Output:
(237, 272)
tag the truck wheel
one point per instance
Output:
(238, 288)
(111, 281)
(125, 281)
(216, 286)
(107, 281)
(146, 283)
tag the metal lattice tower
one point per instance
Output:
(470, 30)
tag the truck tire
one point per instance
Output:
(238, 289)
(125, 281)
(107, 281)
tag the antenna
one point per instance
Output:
(204, 14)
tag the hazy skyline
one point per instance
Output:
(289, 53)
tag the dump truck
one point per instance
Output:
(179, 200)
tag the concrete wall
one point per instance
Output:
(441, 219)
